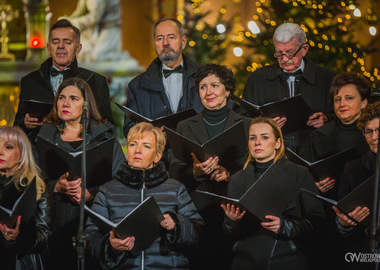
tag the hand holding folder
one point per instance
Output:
(37, 109)
(295, 109)
(143, 223)
(271, 194)
(25, 206)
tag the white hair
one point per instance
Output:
(286, 32)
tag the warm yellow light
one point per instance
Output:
(192, 43)
(222, 10)
(204, 36)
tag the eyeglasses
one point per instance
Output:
(288, 55)
(368, 132)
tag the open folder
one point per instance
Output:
(295, 109)
(55, 161)
(25, 206)
(143, 223)
(229, 145)
(362, 195)
(271, 194)
(169, 121)
(331, 166)
(37, 109)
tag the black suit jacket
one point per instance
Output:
(36, 85)
(146, 93)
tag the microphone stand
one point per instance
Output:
(81, 237)
(376, 208)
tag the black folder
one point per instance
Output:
(169, 121)
(25, 206)
(362, 195)
(37, 109)
(143, 223)
(229, 145)
(295, 109)
(55, 161)
(331, 166)
(271, 194)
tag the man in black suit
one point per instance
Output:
(41, 85)
(293, 74)
(167, 86)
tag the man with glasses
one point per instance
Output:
(293, 74)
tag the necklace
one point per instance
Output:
(215, 124)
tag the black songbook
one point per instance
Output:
(229, 145)
(331, 166)
(169, 121)
(37, 109)
(143, 223)
(55, 161)
(362, 195)
(25, 206)
(295, 109)
(271, 194)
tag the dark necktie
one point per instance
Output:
(55, 72)
(296, 74)
(168, 72)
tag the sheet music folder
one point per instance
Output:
(25, 206)
(37, 109)
(331, 166)
(295, 109)
(229, 145)
(271, 194)
(143, 223)
(170, 121)
(362, 196)
(55, 161)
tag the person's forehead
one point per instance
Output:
(63, 33)
(286, 46)
(167, 28)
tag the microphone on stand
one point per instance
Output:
(81, 236)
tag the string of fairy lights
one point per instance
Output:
(328, 24)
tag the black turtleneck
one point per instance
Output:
(348, 135)
(215, 120)
(260, 168)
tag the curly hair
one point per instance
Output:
(372, 111)
(345, 78)
(225, 75)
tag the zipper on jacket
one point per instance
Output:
(141, 200)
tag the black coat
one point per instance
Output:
(146, 93)
(33, 235)
(324, 142)
(118, 198)
(263, 249)
(194, 128)
(268, 84)
(66, 214)
(36, 85)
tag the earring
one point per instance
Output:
(62, 125)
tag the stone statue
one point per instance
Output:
(100, 25)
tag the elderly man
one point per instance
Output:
(293, 74)
(41, 85)
(166, 87)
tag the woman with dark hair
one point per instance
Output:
(278, 243)
(350, 94)
(63, 127)
(20, 246)
(144, 175)
(214, 83)
(355, 173)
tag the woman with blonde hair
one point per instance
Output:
(278, 242)
(142, 176)
(19, 246)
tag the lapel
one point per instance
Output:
(198, 129)
(326, 144)
(44, 72)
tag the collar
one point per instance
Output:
(301, 67)
(308, 74)
(135, 178)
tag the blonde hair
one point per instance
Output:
(280, 152)
(27, 168)
(138, 131)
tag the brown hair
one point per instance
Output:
(345, 78)
(372, 111)
(277, 134)
(85, 89)
(65, 23)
